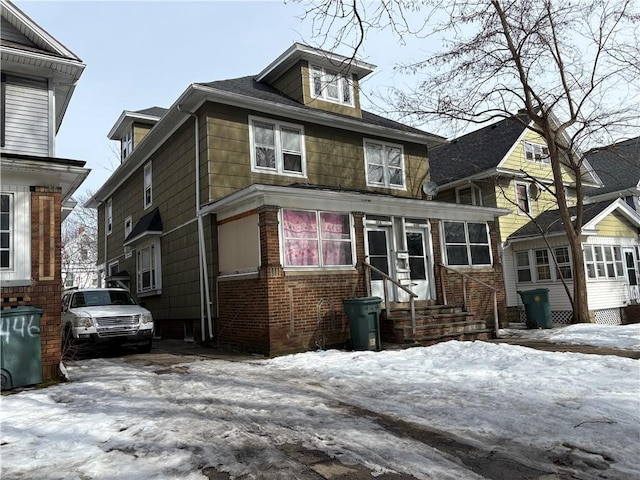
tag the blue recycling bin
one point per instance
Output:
(20, 351)
(364, 322)
(537, 307)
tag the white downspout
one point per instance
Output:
(205, 298)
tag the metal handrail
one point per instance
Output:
(464, 292)
(413, 295)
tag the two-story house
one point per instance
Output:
(252, 207)
(506, 165)
(38, 79)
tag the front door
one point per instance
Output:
(379, 252)
(418, 263)
(632, 274)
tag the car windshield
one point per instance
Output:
(102, 297)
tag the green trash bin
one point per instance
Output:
(20, 351)
(364, 322)
(537, 307)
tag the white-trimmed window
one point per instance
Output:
(469, 195)
(277, 147)
(148, 267)
(603, 261)
(108, 216)
(148, 186)
(128, 228)
(467, 243)
(543, 264)
(522, 198)
(114, 267)
(536, 152)
(539, 266)
(385, 164)
(563, 263)
(330, 86)
(6, 231)
(316, 239)
(126, 143)
(523, 266)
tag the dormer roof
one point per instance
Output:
(321, 58)
(26, 48)
(148, 116)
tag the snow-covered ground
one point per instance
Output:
(574, 414)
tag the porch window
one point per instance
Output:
(148, 259)
(467, 243)
(385, 164)
(563, 263)
(6, 233)
(316, 239)
(277, 147)
(603, 261)
(523, 267)
(543, 266)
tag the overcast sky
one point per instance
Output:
(144, 54)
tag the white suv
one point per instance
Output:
(104, 316)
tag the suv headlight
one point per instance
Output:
(146, 318)
(85, 322)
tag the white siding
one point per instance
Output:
(603, 293)
(26, 116)
(12, 34)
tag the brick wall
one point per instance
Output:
(282, 312)
(479, 298)
(45, 289)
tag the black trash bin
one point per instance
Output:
(364, 322)
(20, 351)
(537, 307)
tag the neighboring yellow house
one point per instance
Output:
(506, 165)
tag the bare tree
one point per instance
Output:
(80, 245)
(573, 66)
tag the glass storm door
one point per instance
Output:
(632, 274)
(418, 263)
(379, 254)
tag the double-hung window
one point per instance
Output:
(148, 272)
(316, 239)
(127, 143)
(535, 152)
(543, 265)
(128, 228)
(563, 263)
(148, 186)
(469, 195)
(522, 198)
(277, 147)
(6, 231)
(330, 86)
(467, 243)
(523, 266)
(385, 164)
(108, 216)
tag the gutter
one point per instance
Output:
(205, 297)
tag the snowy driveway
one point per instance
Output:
(452, 411)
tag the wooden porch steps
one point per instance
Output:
(434, 323)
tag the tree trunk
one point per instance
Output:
(580, 303)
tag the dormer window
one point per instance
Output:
(127, 143)
(331, 86)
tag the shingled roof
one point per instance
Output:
(618, 166)
(477, 151)
(249, 87)
(550, 223)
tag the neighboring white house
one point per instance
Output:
(79, 259)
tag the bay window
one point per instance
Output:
(316, 239)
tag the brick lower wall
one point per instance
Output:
(45, 289)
